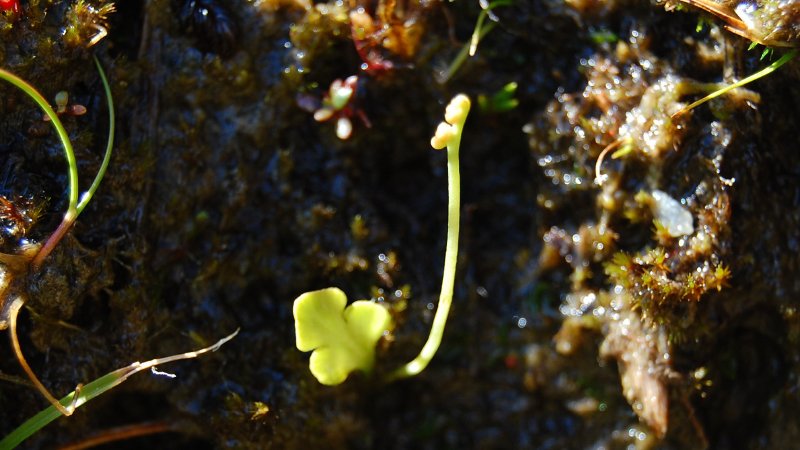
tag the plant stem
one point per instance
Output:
(121, 433)
(13, 313)
(75, 208)
(87, 196)
(761, 73)
(72, 211)
(54, 238)
(425, 356)
(62, 132)
(94, 389)
(477, 34)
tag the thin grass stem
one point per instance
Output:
(75, 207)
(13, 314)
(31, 92)
(761, 73)
(94, 389)
(87, 196)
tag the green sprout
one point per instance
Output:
(501, 101)
(766, 53)
(723, 90)
(481, 30)
(95, 388)
(344, 339)
(75, 207)
(602, 36)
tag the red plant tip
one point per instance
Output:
(6, 5)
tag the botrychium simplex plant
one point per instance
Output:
(16, 267)
(343, 339)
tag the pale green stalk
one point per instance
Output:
(74, 208)
(478, 33)
(94, 389)
(453, 142)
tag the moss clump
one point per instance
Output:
(86, 23)
(657, 291)
(647, 283)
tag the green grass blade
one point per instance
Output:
(50, 414)
(94, 389)
(470, 48)
(31, 92)
(87, 196)
(760, 74)
(479, 33)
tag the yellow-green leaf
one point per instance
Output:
(343, 339)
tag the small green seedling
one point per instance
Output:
(344, 339)
(481, 29)
(76, 204)
(501, 101)
(22, 265)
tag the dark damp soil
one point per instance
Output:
(578, 321)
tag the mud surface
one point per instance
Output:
(585, 315)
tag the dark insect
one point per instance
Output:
(211, 24)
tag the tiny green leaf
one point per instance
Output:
(605, 37)
(343, 339)
(501, 101)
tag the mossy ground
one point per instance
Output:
(225, 200)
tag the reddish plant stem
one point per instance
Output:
(53, 240)
(121, 433)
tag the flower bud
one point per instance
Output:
(456, 111)
(444, 133)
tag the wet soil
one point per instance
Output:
(577, 321)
